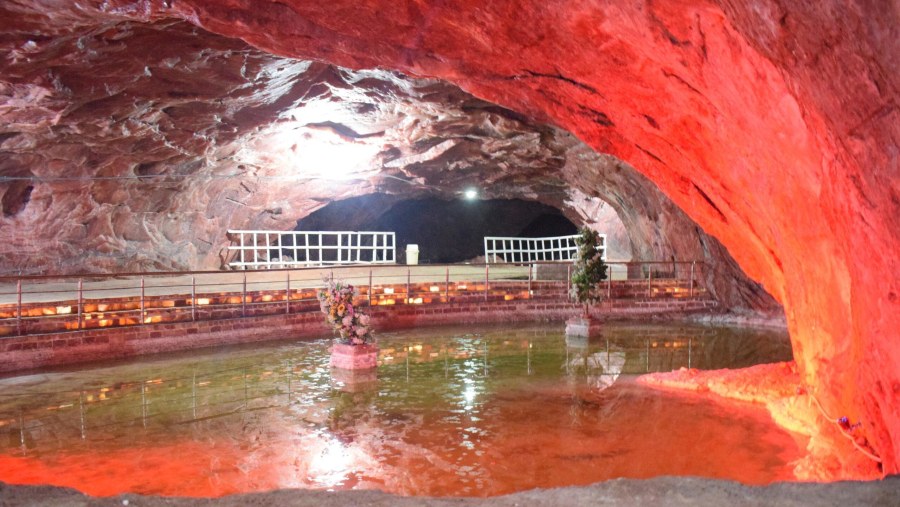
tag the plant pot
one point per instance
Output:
(583, 326)
(354, 357)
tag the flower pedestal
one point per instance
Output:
(583, 326)
(354, 381)
(354, 357)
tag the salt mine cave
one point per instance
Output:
(758, 138)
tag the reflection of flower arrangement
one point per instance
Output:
(336, 302)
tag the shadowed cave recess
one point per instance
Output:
(759, 137)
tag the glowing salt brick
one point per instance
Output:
(62, 310)
(388, 290)
(102, 307)
(434, 288)
(508, 297)
(203, 301)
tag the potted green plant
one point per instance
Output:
(588, 272)
(353, 351)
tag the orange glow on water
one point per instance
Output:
(411, 461)
(460, 416)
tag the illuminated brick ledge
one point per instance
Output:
(39, 351)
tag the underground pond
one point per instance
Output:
(449, 411)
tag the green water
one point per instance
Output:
(476, 410)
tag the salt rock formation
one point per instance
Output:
(137, 146)
(772, 124)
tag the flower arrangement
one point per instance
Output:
(589, 270)
(336, 302)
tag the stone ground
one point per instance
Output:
(672, 491)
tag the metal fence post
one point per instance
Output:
(80, 303)
(19, 307)
(692, 278)
(649, 280)
(244, 297)
(608, 284)
(487, 277)
(569, 282)
(193, 298)
(370, 287)
(447, 285)
(142, 301)
(530, 270)
(407, 285)
(287, 293)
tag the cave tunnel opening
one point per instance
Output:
(446, 231)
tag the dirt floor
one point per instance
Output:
(673, 491)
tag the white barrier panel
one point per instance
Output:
(558, 248)
(280, 249)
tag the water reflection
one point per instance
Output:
(448, 412)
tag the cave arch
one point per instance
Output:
(722, 105)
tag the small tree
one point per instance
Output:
(589, 270)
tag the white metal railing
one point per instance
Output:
(280, 249)
(558, 248)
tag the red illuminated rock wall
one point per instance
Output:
(773, 124)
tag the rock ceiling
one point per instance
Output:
(773, 124)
